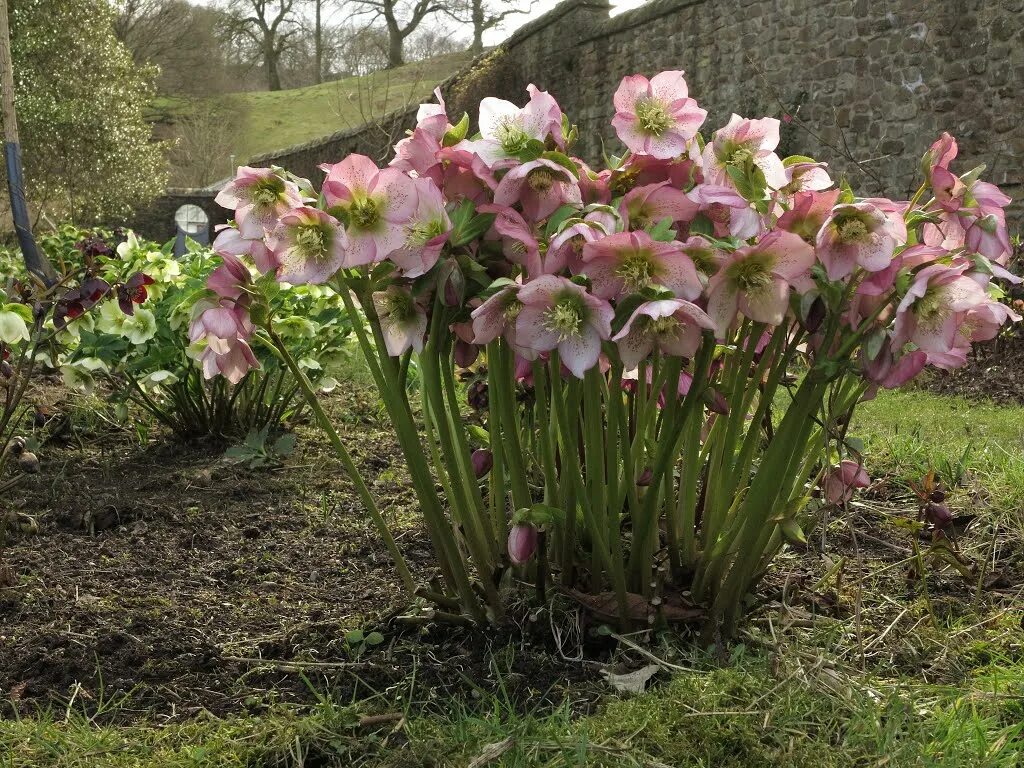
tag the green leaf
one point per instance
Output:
(472, 230)
(457, 132)
(355, 637)
(285, 444)
(792, 532)
(702, 225)
(532, 151)
(556, 219)
(563, 160)
(794, 159)
(662, 231)
(374, 638)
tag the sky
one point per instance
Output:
(493, 37)
(514, 22)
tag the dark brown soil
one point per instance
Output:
(164, 573)
(995, 372)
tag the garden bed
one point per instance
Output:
(204, 586)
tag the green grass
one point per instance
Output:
(981, 445)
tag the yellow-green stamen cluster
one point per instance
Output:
(637, 270)
(931, 309)
(664, 326)
(266, 192)
(653, 116)
(364, 213)
(310, 241)
(566, 317)
(541, 179)
(422, 232)
(851, 230)
(512, 138)
(752, 274)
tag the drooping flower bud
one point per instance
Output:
(465, 353)
(938, 515)
(482, 460)
(840, 481)
(645, 478)
(522, 543)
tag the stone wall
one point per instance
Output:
(867, 85)
(156, 220)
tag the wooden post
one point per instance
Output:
(35, 261)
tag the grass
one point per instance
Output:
(978, 446)
(265, 121)
(821, 694)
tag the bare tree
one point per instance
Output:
(179, 38)
(485, 15)
(401, 18)
(431, 42)
(270, 25)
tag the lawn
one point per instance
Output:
(265, 121)
(852, 658)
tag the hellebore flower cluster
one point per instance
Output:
(625, 330)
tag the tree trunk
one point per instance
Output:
(478, 28)
(318, 44)
(395, 53)
(270, 64)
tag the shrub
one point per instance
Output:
(664, 354)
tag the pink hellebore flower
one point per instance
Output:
(655, 117)
(889, 371)
(806, 177)
(506, 130)
(742, 141)
(522, 542)
(856, 234)
(559, 314)
(230, 279)
(230, 241)
(933, 311)
(426, 231)
(706, 258)
(565, 249)
(628, 262)
(258, 196)
(419, 152)
(376, 205)
(518, 242)
(808, 213)
(840, 482)
(643, 206)
(497, 317)
(672, 326)
(756, 280)
(225, 328)
(309, 245)
(403, 320)
(540, 186)
(730, 213)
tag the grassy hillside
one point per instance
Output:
(244, 125)
(282, 118)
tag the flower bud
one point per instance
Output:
(482, 460)
(6, 370)
(465, 353)
(17, 445)
(522, 543)
(645, 478)
(938, 515)
(938, 496)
